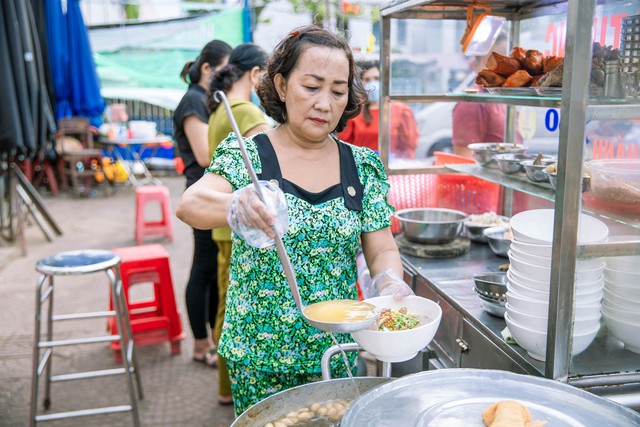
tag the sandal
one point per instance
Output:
(210, 358)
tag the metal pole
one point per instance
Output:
(247, 36)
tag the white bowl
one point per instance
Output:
(626, 290)
(527, 291)
(627, 332)
(532, 248)
(536, 226)
(624, 263)
(620, 299)
(629, 316)
(620, 277)
(545, 261)
(535, 342)
(543, 274)
(537, 323)
(526, 281)
(528, 305)
(399, 346)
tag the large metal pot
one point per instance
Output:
(431, 225)
(280, 404)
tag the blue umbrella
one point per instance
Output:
(75, 78)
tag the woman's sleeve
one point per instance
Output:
(227, 161)
(376, 211)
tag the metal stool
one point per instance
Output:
(75, 263)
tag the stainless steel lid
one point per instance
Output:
(457, 397)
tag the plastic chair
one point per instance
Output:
(154, 320)
(74, 144)
(164, 227)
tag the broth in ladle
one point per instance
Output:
(341, 310)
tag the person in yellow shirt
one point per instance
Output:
(237, 80)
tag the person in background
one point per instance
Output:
(237, 80)
(363, 130)
(323, 196)
(475, 122)
(190, 133)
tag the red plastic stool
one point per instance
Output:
(156, 320)
(144, 228)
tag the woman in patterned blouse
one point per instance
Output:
(336, 199)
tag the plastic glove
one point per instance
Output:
(389, 283)
(255, 221)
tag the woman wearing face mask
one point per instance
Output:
(237, 80)
(190, 133)
(363, 130)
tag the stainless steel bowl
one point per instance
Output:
(511, 163)
(499, 239)
(491, 285)
(431, 225)
(483, 152)
(492, 306)
(535, 173)
(475, 231)
(553, 180)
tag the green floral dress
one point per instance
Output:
(263, 328)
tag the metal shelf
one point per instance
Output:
(520, 182)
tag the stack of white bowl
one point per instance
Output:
(621, 302)
(529, 277)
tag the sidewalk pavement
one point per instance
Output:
(178, 391)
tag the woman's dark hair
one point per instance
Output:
(365, 66)
(284, 59)
(213, 53)
(242, 60)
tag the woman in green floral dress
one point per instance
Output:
(336, 200)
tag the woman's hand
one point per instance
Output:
(254, 221)
(389, 283)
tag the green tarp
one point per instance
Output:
(157, 62)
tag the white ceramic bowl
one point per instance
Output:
(543, 274)
(536, 226)
(537, 323)
(630, 291)
(399, 346)
(535, 342)
(526, 304)
(627, 332)
(622, 300)
(629, 316)
(526, 281)
(544, 261)
(624, 263)
(526, 291)
(532, 248)
(620, 277)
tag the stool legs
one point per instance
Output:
(44, 295)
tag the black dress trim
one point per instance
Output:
(350, 187)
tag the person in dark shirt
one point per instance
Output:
(190, 124)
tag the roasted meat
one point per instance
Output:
(518, 53)
(488, 78)
(503, 65)
(518, 79)
(551, 62)
(533, 62)
(553, 78)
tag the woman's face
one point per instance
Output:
(371, 75)
(316, 92)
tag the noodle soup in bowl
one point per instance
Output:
(389, 345)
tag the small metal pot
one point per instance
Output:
(496, 237)
(431, 225)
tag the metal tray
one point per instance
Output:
(457, 398)
(511, 91)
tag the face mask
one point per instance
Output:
(373, 89)
(255, 99)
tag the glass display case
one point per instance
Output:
(591, 131)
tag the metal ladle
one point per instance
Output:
(340, 327)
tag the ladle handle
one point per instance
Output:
(282, 252)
